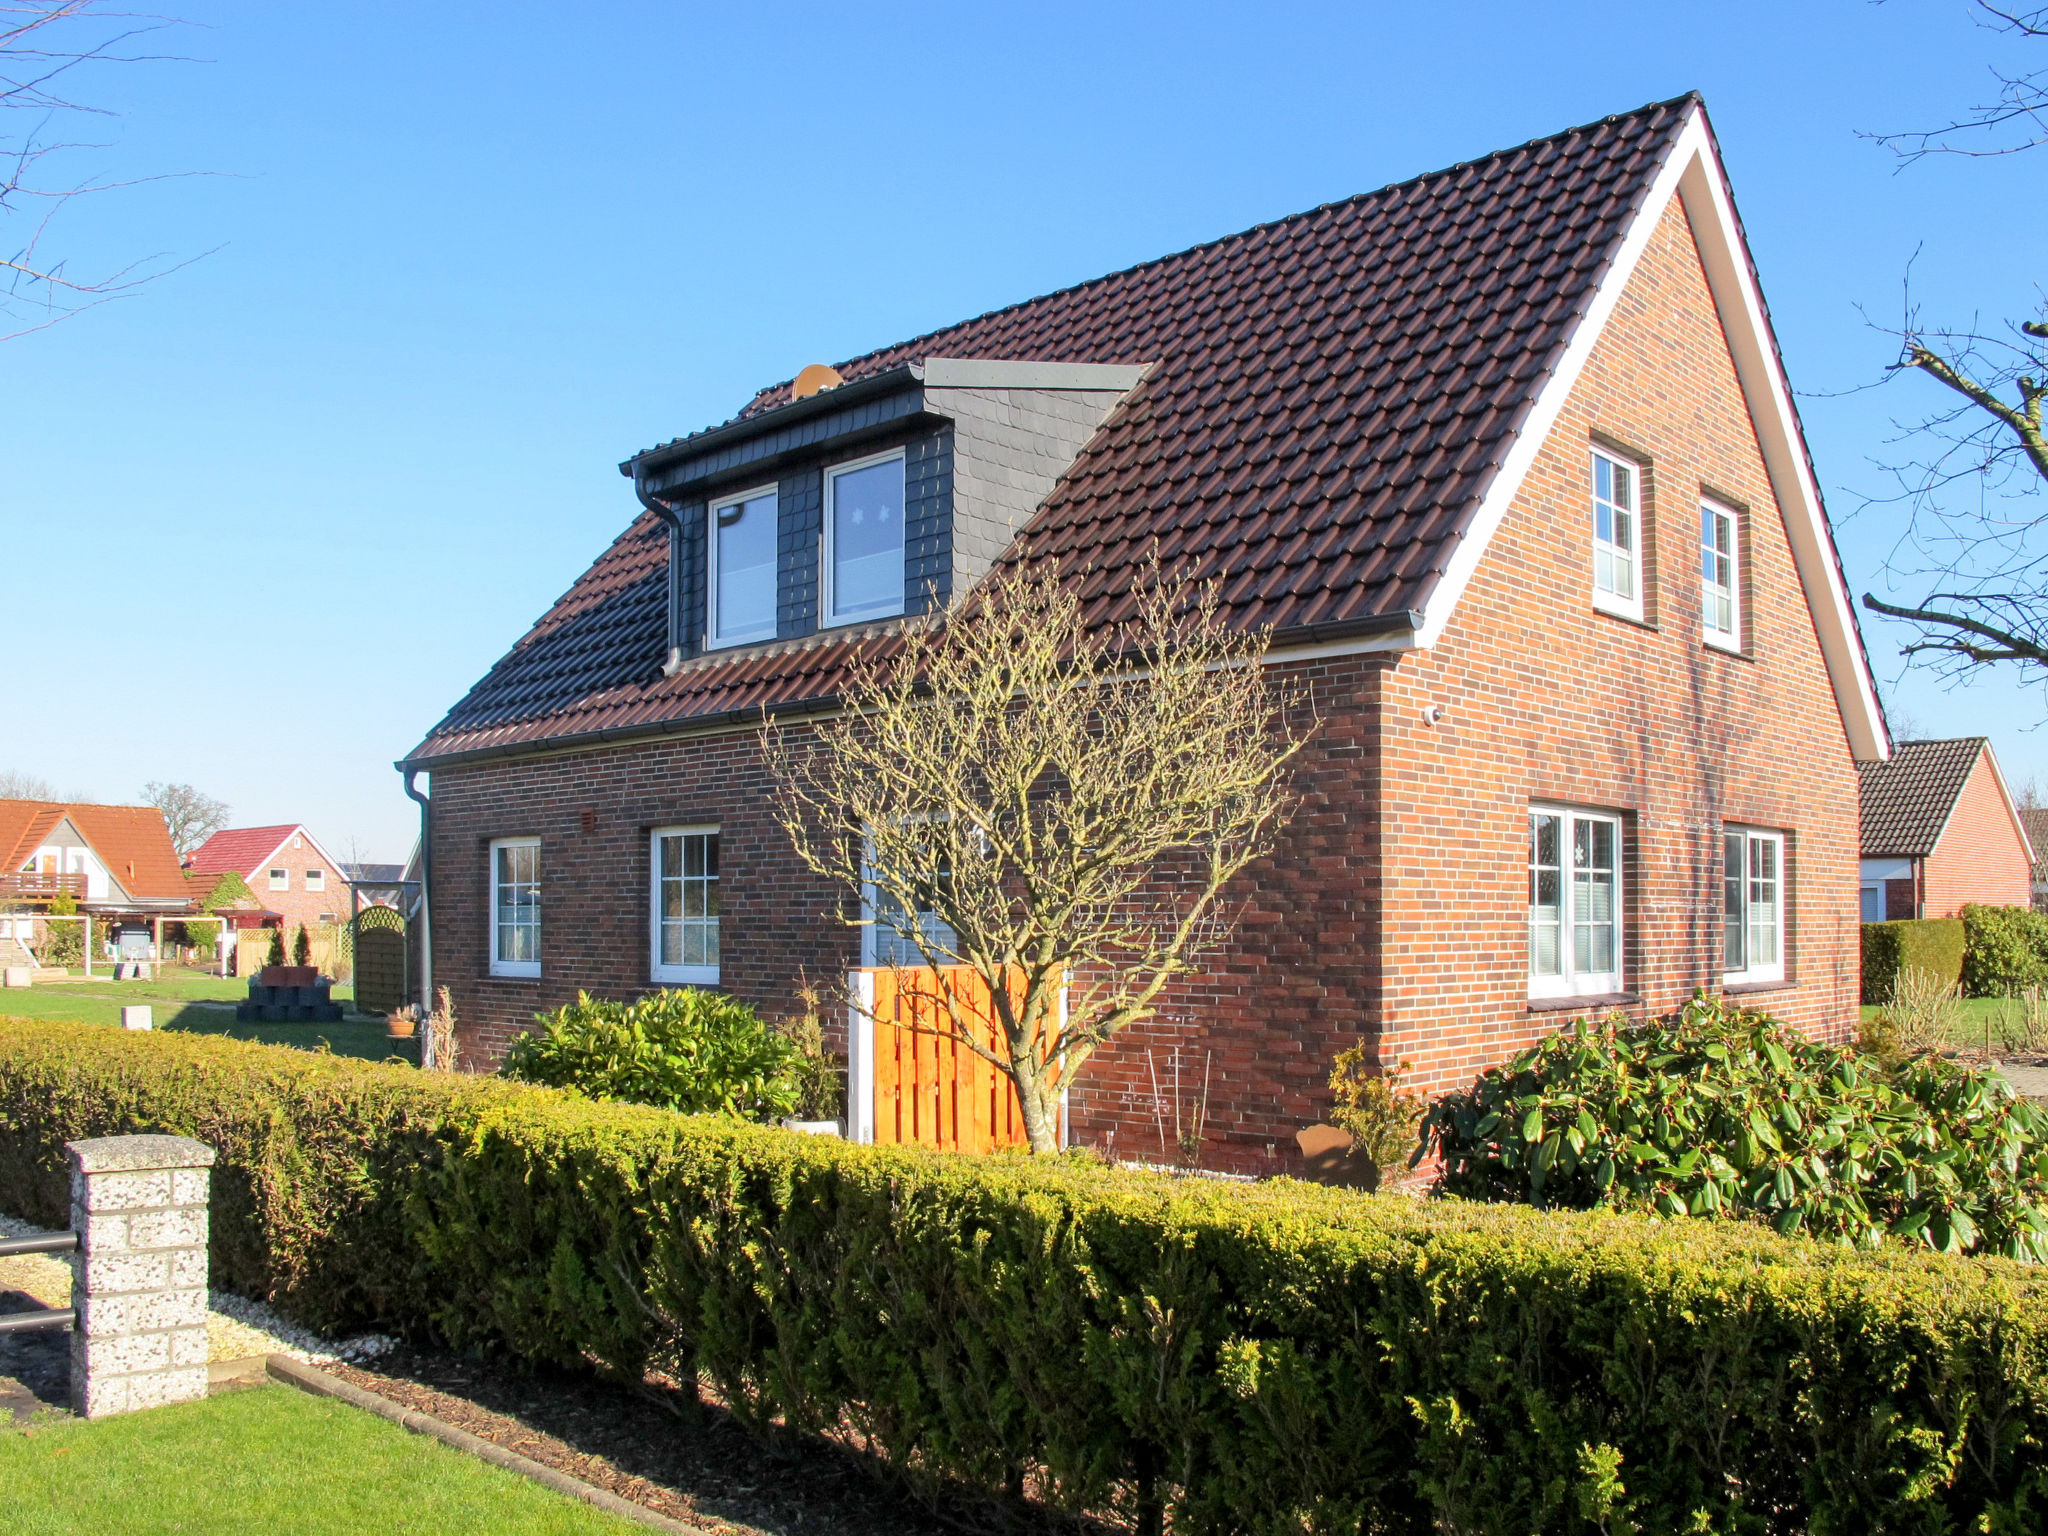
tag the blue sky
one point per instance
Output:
(263, 522)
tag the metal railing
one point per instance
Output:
(47, 1317)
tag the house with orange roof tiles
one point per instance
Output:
(113, 862)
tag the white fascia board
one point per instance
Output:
(1692, 172)
(1005, 373)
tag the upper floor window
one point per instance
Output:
(316, 879)
(685, 904)
(1752, 905)
(742, 547)
(1617, 560)
(863, 565)
(1721, 616)
(280, 880)
(891, 927)
(1574, 903)
(515, 906)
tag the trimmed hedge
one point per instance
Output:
(2005, 950)
(1274, 1358)
(1927, 944)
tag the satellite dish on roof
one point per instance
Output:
(815, 379)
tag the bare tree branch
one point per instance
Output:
(2020, 105)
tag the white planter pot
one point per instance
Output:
(812, 1127)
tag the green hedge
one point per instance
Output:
(2005, 950)
(1928, 944)
(1273, 1358)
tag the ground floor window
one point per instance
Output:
(890, 927)
(685, 905)
(515, 906)
(1752, 905)
(1574, 902)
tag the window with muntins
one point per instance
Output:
(685, 905)
(515, 906)
(863, 564)
(1574, 903)
(1720, 609)
(891, 929)
(1617, 574)
(1752, 906)
(740, 550)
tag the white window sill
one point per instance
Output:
(517, 970)
(686, 975)
(1606, 1002)
(1629, 613)
(1754, 981)
(1727, 645)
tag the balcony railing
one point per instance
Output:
(34, 885)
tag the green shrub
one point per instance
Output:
(1275, 1358)
(688, 1049)
(275, 955)
(2005, 950)
(302, 948)
(1934, 945)
(1729, 1112)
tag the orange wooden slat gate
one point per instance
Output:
(930, 1090)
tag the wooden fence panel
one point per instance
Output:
(930, 1090)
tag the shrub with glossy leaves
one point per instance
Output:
(1729, 1112)
(688, 1049)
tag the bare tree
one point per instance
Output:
(42, 44)
(1030, 806)
(191, 816)
(1978, 537)
(16, 785)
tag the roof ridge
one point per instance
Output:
(1685, 99)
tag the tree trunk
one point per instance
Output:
(1041, 1122)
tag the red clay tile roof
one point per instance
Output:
(130, 840)
(1907, 800)
(242, 849)
(1333, 394)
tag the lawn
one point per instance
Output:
(180, 998)
(1977, 1012)
(266, 1460)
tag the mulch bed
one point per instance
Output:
(638, 1446)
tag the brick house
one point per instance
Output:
(285, 868)
(1940, 829)
(1505, 459)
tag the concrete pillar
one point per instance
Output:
(138, 1204)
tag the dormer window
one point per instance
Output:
(864, 539)
(742, 539)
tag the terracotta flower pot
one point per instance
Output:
(400, 1029)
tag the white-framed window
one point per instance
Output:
(515, 906)
(1617, 536)
(863, 555)
(1752, 905)
(1574, 902)
(280, 880)
(740, 544)
(316, 879)
(1720, 600)
(683, 907)
(888, 926)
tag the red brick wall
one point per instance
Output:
(1980, 856)
(1547, 698)
(299, 905)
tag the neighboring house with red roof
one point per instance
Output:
(115, 861)
(1505, 459)
(286, 869)
(1940, 831)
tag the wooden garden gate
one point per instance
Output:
(380, 960)
(911, 1086)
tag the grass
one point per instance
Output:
(266, 1460)
(176, 997)
(1976, 1013)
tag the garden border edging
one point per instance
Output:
(291, 1373)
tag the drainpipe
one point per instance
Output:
(667, 514)
(426, 902)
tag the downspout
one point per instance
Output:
(426, 906)
(669, 515)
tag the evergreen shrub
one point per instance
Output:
(1934, 945)
(1724, 1111)
(2005, 950)
(681, 1048)
(1264, 1359)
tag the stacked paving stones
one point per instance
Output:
(289, 994)
(139, 1206)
